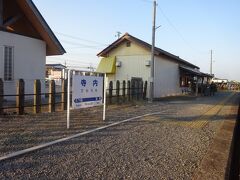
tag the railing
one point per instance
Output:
(129, 91)
(122, 93)
(20, 103)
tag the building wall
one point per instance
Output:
(167, 78)
(55, 74)
(133, 60)
(29, 61)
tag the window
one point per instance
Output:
(128, 44)
(8, 63)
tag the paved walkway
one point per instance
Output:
(169, 145)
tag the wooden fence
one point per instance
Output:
(126, 91)
(122, 93)
(37, 97)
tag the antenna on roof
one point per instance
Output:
(118, 35)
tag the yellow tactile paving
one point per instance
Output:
(202, 121)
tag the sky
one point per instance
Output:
(189, 29)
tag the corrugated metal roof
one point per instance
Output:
(191, 70)
(194, 71)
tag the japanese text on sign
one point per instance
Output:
(87, 91)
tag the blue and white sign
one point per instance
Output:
(87, 91)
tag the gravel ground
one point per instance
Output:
(149, 148)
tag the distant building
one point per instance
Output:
(218, 80)
(25, 41)
(55, 71)
(128, 58)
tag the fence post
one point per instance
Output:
(129, 90)
(141, 90)
(52, 96)
(110, 92)
(133, 89)
(117, 90)
(1, 96)
(37, 97)
(137, 86)
(145, 91)
(64, 95)
(20, 97)
(124, 90)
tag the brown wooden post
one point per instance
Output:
(52, 96)
(129, 90)
(118, 90)
(1, 96)
(124, 90)
(64, 95)
(141, 89)
(110, 92)
(133, 89)
(145, 90)
(137, 86)
(20, 97)
(37, 97)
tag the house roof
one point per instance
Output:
(29, 22)
(158, 51)
(56, 66)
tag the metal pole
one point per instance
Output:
(68, 100)
(105, 96)
(151, 90)
(211, 63)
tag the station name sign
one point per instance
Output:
(87, 91)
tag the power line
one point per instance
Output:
(176, 30)
(79, 45)
(148, 1)
(82, 39)
(71, 60)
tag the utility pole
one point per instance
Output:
(151, 90)
(211, 63)
(118, 35)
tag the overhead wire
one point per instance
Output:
(82, 39)
(177, 31)
(69, 59)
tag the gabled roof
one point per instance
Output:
(56, 66)
(31, 23)
(158, 51)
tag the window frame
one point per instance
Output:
(8, 76)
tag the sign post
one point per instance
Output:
(68, 99)
(105, 96)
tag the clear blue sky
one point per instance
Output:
(189, 29)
